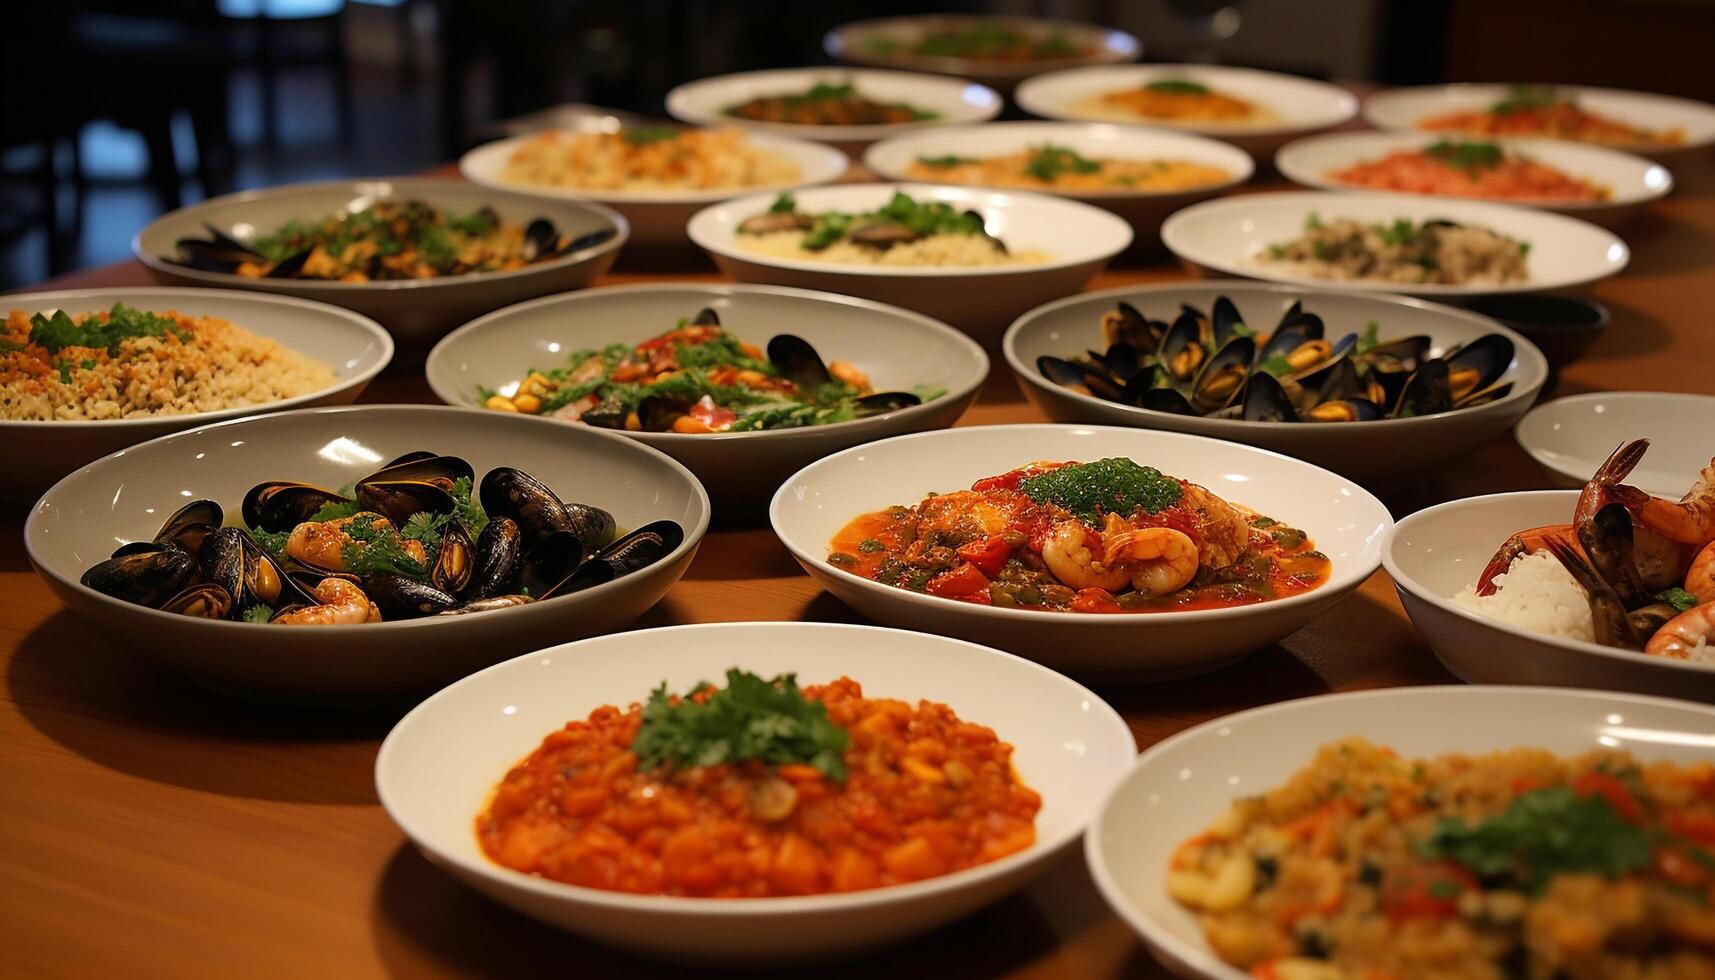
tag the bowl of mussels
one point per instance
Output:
(1374, 387)
(358, 553)
(419, 255)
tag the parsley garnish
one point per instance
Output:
(259, 613)
(650, 134)
(1177, 86)
(1466, 156)
(750, 718)
(123, 323)
(1048, 162)
(1677, 597)
(1543, 833)
(1115, 485)
(943, 162)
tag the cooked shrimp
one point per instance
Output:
(847, 373)
(1223, 533)
(321, 544)
(964, 515)
(1690, 520)
(1684, 633)
(1700, 579)
(1071, 554)
(342, 604)
(1159, 559)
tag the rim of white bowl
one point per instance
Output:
(1114, 45)
(831, 164)
(1378, 107)
(1242, 165)
(1287, 161)
(1537, 452)
(1172, 235)
(731, 907)
(1404, 581)
(357, 321)
(1199, 957)
(1029, 99)
(1523, 349)
(1342, 580)
(158, 263)
(350, 633)
(703, 230)
(800, 433)
(684, 104)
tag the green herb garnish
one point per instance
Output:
(375, 549)
(124, 323)
(259, 613)
(1524, 98)
(1115, 485)
(1545, 832)
(943, 162)
(648, 135)
(1177, 86)
(1678, 598)
(1466, 156)
(1048, 162)
(1369, 340)
(750, 718)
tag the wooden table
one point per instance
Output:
(149, 828)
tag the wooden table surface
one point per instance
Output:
(149, 828)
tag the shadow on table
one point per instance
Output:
(118, 711)
(427, 922)
(1664, 246)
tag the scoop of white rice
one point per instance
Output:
(1535, 593)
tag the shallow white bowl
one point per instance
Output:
(439, 764)
(1345, 522)
(657, 217)
(1182, 785)
(125, 497)
(852, 43)
(1435, 553)
(980, 300)
(1144, 210)
(415, 311)
(1570, 437)
(896, 348)
(1225, 237)
(953, 100)
(1371, 452)
(1632, 181)
(38, 453)
(1404, 108)
(1302, 105)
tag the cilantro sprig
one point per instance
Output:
(1543, 833)
(751, 718)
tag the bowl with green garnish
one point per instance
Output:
(997, 51)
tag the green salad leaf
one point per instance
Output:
(751, 718)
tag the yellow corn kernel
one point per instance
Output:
(1232, 884)
(500, 403)
(528, 404)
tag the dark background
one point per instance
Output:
(112, 111)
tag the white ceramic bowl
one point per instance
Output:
(125, 497)
(415, 311)
(1345, 522)
(1632, 182)
(1182, 785)
(1570, 437)
(1435, 553)
(980, 300)
(875, 42)
(1143, 210)
(1404, 108)
(1300, 105)
(657, 217)
(897, 349)
(441, 761)
(38, 453)
(953, 100)
(1226, 237)
(1373, 453)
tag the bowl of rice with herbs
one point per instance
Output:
(83, 373)
(975, 258)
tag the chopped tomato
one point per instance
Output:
(1266, 971)
(1525, 784)
(712, 415)
(1674, 865)
(962, 581)
(1699, 827)
(1615, 792)
(1429, 891)
(988, 554)
(1094, 600)
(1005, 481)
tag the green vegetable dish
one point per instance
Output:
(418, 537)
(980, 42)
(698, 378)
(903, 231)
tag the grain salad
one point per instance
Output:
(903, 232)
(649, 159)
(128, 363)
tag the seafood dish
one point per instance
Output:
(1518, 863)
(1214, 364)
(902, 232)
(699, 378)
(1061, 168)
(1109, 536)
(1631, 570)
(127, 363)
(1470, 169)
(1178, 101)
(979, 42)
(648, 159)
(418, 537)
(825, 104)
(1541, 110)
(389, 240)
(1437, 252)
(759, 789)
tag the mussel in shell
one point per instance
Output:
(510, 492)
(399, 597)
(147, 578)
(279, 506)
(412, 486)
(233, 560)
(626, 554)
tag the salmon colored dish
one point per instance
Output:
(1104, 537)
(1460, 169)
(1530, 110)
(1178, 100)
(760, 789)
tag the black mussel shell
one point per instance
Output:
(510, 492)
(289, 266)
(399, 597)
(455, 562)
(1427, 392)
(1224, 321)
(1352, 409)
(1182, 352)
(282, 505)
(1125, 324)
(1266, 400)
(592, 526)
(541, 239)
(204, 601)
(607, 415)
(1340, 381)
(548, 563)
(1121, 360)
(233, 560)
(1292, 313)
(414, 456)
(1400, 354)
(147, 578)
(1074, 374)
(589, 239)
(706, 317)
(190, 524)
(496, 558)
(1170, 400)
(1478, 364)
(797, 361)
(399, 491)
(657, 413)
(1223, 376)
(882, 402)
(1284, 341)
(1486, 395)
(208, 256)
(629, 553)
(488, 605)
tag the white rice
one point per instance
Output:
(1538, 594)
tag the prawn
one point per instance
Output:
(1700, 578)
(341, 604)
(1070, 553)
(1160, 559)
(1223, 531)
(1682, 634)
(321, 544)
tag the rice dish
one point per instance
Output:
(1538, 594)
(1442, 253)
(128, 363)
(903, 233)
(1051, 167)
(944, 249)
(656, 159)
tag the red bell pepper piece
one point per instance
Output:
(1615, 792)
(987, 554)
(962, 581)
